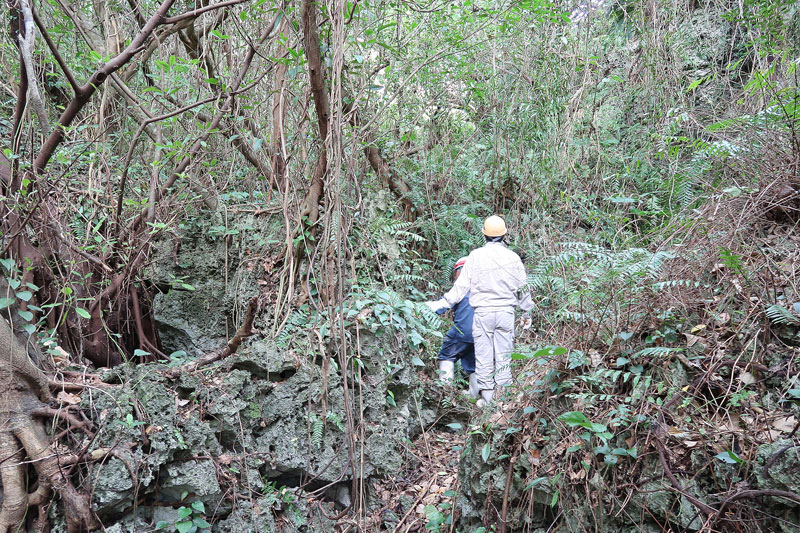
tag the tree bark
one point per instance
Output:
(309, 208)
(392, 179)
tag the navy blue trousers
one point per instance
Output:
(455, 349)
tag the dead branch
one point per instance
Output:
(246, 330)
(662, 456)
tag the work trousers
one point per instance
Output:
(493, 331)
(455, 348)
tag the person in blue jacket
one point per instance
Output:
(458, 343)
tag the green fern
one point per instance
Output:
(656, 351)
(317, 426)
(781, 316)
(335, 419)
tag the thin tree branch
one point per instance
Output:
(200, 11)
(56, 54)
(181, 167)
(84, 93)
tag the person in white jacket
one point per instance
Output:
(493, 276)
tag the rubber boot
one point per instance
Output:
(474, 390)
(447, 371)
(486, 398)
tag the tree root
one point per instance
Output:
(12, 474)
(24, 441)
(77, 509)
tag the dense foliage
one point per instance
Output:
(645, 154)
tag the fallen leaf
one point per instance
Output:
(785, 424)
(536, 456)
(580, 474)
(691, 340)
(698, 328)
(224, 459)
(747, 378)
(678, 433)
(690, 443)
(66, 397)
(99, 453)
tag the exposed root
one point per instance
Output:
(24, 441)
(77, 509)
(12, 474)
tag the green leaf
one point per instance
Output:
(184, 527)
(162, 524)
(455, 426)
(575, 418)
(416, 361)
(5, 302)
(140, 353)
(795, 393)
(83, 313)
(25, 315)
(200, 522)
(25, 296)
(199, 507)
(8, 264)
(729, 457)
(487, 449)
(184, 512)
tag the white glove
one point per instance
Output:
(525, 321)
(433, 306)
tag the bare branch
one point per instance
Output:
(56, 54)
(197, 12)
(85, 92)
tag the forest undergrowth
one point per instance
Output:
(183, 182)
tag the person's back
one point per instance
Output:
(496, 274)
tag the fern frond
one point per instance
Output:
(656, 351)
(317, 426)
(780, 315)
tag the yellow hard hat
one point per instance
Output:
(494, 226)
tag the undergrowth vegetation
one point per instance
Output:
(646, 156)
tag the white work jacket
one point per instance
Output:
(493, 275)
